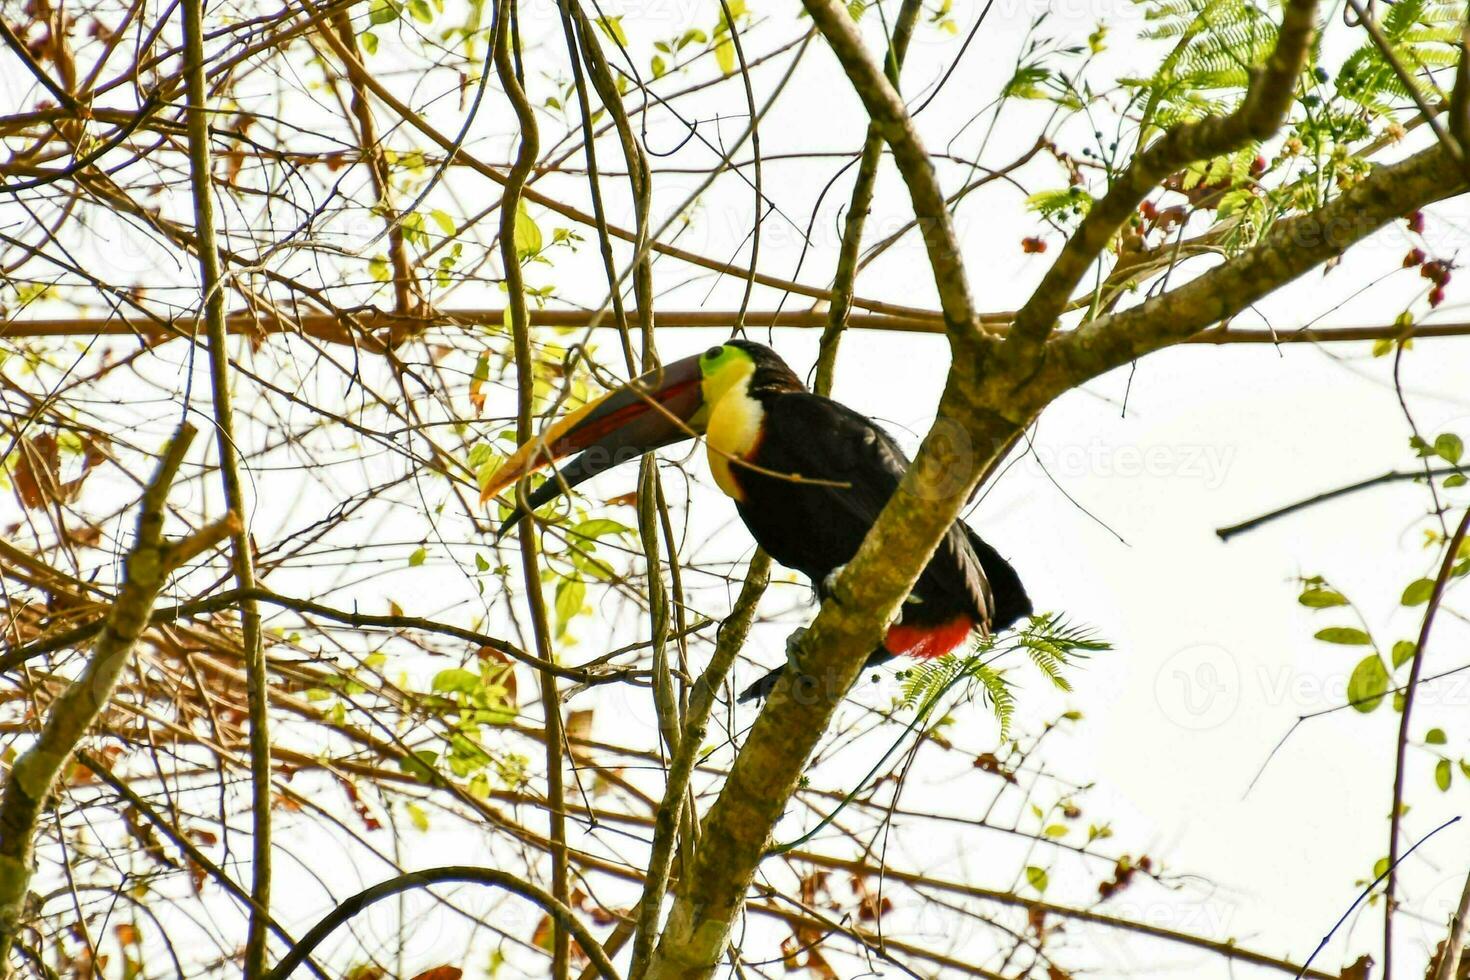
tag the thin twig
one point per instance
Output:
(1452, 551)
(213, 286)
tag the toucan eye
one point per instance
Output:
(713, 353)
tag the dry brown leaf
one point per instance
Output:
(441, 973)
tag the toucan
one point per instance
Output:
(808, 475)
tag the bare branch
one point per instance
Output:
(211, 275)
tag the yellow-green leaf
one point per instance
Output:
(528, 238)
(1417, 593)
(1368, 683)
(613, 28)
(569, 596)
(1346, 635)
(1318, 598)
(417, 816)
(1449, 446)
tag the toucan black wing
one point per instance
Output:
(816, 527)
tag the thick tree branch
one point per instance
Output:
(845, 279)
(1292, 247)
(1258, 117)
(890, 117)
(33, 776)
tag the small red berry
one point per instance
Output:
(1033, 245)
(1436, 296)
(1416, 222)
(1415, 257)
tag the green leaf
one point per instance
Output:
(1454, 480)
(443, 220)
(1435, 736)
(417, 817)
(1036, 877)
(1056, 830)
(1449, 447)
(599, 526)
(613, 28)
(369, 42)
(1417, 593)
(1380, 867)
(384, 11)
(481, 565)
(420, 765)
(1368, 683)
(528, 238)
(1442, 775)
(1403, 652)
(419, 10)
(658, 66)
(569, 596)
(725, 56)
(417, 558)
(456, 680)
(1315, 598)
(1346, 635)
(378, 268)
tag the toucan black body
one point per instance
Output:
(809, 477)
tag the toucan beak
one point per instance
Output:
(661, 407)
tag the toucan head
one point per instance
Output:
(667, 405)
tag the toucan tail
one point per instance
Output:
(762, 688)
(1007, 592)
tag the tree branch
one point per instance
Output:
(527, 147)
(845, 279)
(33, 776)
(565, 918)
(1258, 117)
(696, 726)
(1452, 552)
(890, 117)
(1292, 247)
(1394, 476)
(211, 276)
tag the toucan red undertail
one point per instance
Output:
(762, 427)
